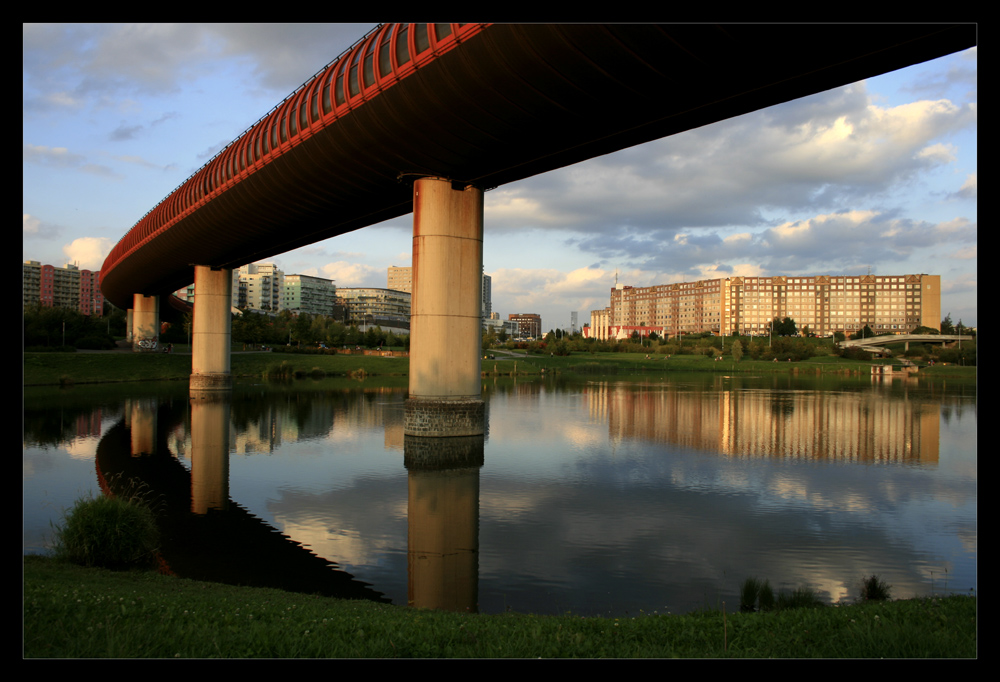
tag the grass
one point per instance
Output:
(52, 369)
(116, 532)
(75, 612)
(756, 595)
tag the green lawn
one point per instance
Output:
(60, 368)
(74, 612)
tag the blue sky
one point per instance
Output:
(879, 175)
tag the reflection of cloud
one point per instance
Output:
(310, 521)
(82, 448)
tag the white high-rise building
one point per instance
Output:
(258, 286)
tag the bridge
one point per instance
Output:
(872, 343)
(423, 118)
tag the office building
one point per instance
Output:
(529, 325)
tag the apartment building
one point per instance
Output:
(821, 304)
(367, 306)
(307, 294)
(258, 286)
(65, 287)
(401, 279)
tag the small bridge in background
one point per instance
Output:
(875, 343)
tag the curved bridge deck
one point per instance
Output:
(482, 105)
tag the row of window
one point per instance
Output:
(386, 55)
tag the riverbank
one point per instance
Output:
(51, 369)
(75, 612)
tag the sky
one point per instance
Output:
(878, 176)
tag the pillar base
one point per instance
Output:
(211, 382)
(434, 454)
(443, 418)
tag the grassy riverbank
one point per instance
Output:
(75, 612)
(47, 369)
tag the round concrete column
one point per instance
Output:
(145, 323)
(445, 311)
(211, 334)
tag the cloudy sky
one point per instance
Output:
(878, 175)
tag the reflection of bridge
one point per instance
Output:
(225, 544)
(462, 107)
(871, 342)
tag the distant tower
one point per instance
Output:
(572, 323)
(487, 296)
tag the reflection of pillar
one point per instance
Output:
(141, 419)
(145, 323)
(443, 522)
(446, 308)
(209, 452)
(212, 329)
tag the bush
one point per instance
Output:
(96, 343)
(874, 589)
(109, 532)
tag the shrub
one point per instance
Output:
(109, 532)
(874, 589)
(96, 343)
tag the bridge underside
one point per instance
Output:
(512, 102)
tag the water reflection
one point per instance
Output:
(752, 422)
(601, 497)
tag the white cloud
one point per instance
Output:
(30, 224)
(88, 252)
(345, 274)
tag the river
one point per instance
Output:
(596, 496)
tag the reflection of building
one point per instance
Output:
(863, 426)
(376, 307)
(529, 325)
(747, 305)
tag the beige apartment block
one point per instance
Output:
(820, 304)
(400, 279)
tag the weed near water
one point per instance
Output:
(757, 595)
(116, 532)
(874, 588)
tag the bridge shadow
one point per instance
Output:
(226, 545)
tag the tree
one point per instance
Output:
(737, 350)
(785, 327)
(947, 327)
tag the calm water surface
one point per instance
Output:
(597, 497)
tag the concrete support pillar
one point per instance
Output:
(145, 323)
(211, 333)
(445, 312)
